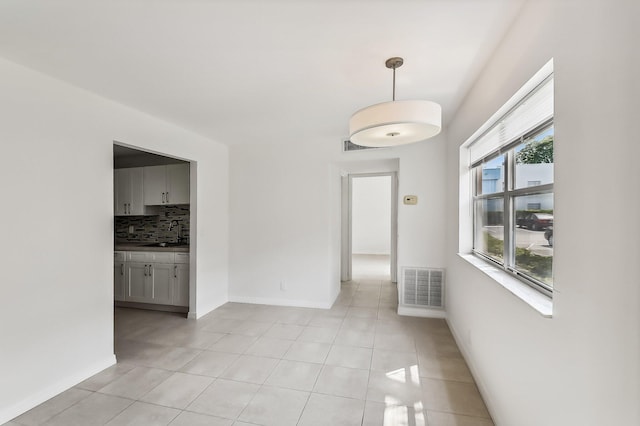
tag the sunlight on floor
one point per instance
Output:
(404, 415)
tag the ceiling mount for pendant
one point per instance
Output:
(396, 122)
(394, 63)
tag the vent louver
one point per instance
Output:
(422, 287)
(350, 146)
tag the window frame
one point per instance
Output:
(509, 193)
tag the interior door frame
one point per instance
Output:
(347, 223)
(193, 222)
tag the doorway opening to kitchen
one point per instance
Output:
(369, 237)
(153, 227)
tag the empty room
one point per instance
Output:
(244, 212)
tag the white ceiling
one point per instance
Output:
(241, 71)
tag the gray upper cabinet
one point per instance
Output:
(155, 185)
(166, 184)
(128, 191)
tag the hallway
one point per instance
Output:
(370, 267)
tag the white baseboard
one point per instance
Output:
(202, 311)
(421, 312)
(280, 302)
(42, 395)
(486, 396)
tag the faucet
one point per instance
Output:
(173, 224)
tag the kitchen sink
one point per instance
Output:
(171, 244)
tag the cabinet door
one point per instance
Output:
(181, 285)
(155, 185)
(136, 189)
(139, 287)
(177, 184)
(121, 191)
(162, 281)
(118, 281)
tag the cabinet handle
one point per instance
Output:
(145, 270)
(163, 197)
(125, 208)
(167, 196)
(175, 271)
(122, 269)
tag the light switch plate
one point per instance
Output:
(410, 199)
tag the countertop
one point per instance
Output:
(144, 247)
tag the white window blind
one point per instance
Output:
(533, 110)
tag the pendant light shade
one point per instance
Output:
(396, 122)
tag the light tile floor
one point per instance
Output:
(358, 363)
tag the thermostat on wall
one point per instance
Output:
(410, 199)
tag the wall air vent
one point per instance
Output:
(347, 145)
(422, 288)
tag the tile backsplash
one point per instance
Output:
(154, 229)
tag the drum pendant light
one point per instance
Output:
(396, 122)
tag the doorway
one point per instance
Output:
(369, 242)
(154, 221)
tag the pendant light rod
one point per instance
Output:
(394, 63)
(393, 97)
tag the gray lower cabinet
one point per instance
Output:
(149, 283)
(181, 284)
(161, 277)
(152, 277)
(119, 275)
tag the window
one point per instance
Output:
(512, 175)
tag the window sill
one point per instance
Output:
(538, 301)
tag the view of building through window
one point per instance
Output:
(519, 181)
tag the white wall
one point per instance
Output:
(371, 215)
(285, 216)
(56, 321)
(581, 366)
